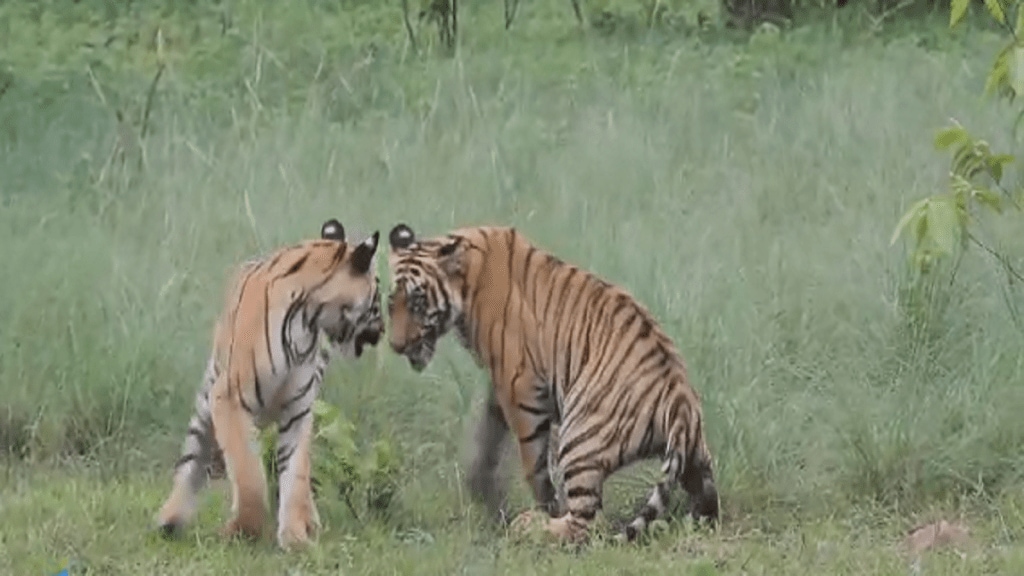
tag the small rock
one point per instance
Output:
(935, 535)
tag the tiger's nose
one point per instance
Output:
(398, 347)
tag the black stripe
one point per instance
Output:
(540, 465)
(508, 297)
(559, 314)
(535, 410)
(185, 459)
(256, 380)
(286, 341)
(575, 323)
(613, 378)
(550, 292)
(284, 453)
(575, 471)
(266, 328)
(543, 427)
(582, 437)
(241, 400)
(311, 322)
(288, 425)
(296, 266)
(580, 492)
(528, 276)
(587, 513)
(648, 437)
(339, 254)
(305, 390)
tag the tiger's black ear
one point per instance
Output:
(362, 256)
(448, 249)
(332, 230)
(401, 237)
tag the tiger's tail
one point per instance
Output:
(190, 471)
(687, 463)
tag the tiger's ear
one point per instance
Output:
(332, 230)
(401, 237)
(362, 256)
(450, 257)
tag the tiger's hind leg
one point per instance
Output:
(694, 474)
(235, 432)
(297, 516)
(698, 480)
(190, 472)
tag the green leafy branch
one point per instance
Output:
(943, 225)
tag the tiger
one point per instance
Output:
(563, 348)
(267, 363)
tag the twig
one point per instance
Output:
(408, 25)
(1010, 270)
(96, 85)
(455, 23)
(149, 101)
(7, 85)
(348, 502)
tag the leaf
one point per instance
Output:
(996, 162)
(1016, 70)
(914, 212)
(967, 162)
(957, 10)
(996, 10)
(944, 227)
(952, 135)
(998, 76)
(988, 198)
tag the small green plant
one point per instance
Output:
(366, 482)
(941, 227)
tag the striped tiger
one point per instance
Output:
(562, 347)
(267, 363)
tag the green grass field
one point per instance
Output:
(744, 188)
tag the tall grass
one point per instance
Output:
(746, 195)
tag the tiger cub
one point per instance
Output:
(564, 348)
(266, 366)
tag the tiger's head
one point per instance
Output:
(343, 299)
(426, 292)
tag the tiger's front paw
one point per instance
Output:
(299, 531)
(567, 529)
(297, 537)
(313, 525)
(564, 529)
(527, 522)
(241, 526)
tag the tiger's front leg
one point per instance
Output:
(297, 516)
(483, 481)
(235, 432)
(532, 416)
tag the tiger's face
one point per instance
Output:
(345, 303)
(424, 302)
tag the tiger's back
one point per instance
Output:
(266, 365)
(563, 347)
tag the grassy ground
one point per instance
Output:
(744, 189)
